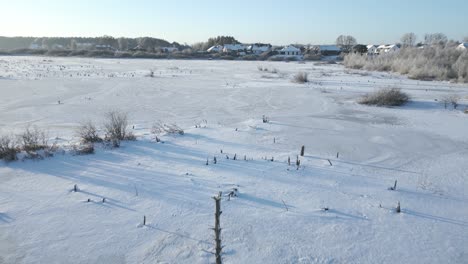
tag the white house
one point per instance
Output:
(290, 50)
(463, 46)
(326, 50)
(258, 48)
(387, 49)
(35, 46)
(169, 49)
(371, 49)
(234, 48)
(104, 47)
(217, 48)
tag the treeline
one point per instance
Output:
(73, 43)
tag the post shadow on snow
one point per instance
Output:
(262, 201)
(431, 195)
(435, 218)
(346, 215)
(178, 234)
(297, 126)
(5, 218)
(106, 170)
(361, 164)
(109, 202)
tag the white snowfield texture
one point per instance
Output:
(277, 216)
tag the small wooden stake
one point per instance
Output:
(75, 188)
(285, 206)
(330, 163)
(398, 209)
(144, 220)
(302, 151)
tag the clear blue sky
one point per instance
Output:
(274, 21)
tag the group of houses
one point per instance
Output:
(241, 49)
(373, 50)
(279, 51)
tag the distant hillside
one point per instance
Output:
(147, 43)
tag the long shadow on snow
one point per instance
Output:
(425, 105)
(436, 218)
(5, 218)
(361, 164)
(107, 169)
(179, 235)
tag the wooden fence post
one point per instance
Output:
(217, 228)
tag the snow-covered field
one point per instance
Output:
(277, 216)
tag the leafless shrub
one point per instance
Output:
(386, 97)
(87, 132)
(450, 99)
(116, 127)
(8, 148)
(301, 77)
(83, 149)
(161, 128)
(33, 139)
(130, 136)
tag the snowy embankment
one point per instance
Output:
(278, 216)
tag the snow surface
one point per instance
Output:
(277, 216)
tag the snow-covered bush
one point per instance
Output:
(116, 127)
(161, 128)
(385, 97)
(83, 149)
(88, 132)
(301, 77)
(33, 139)
(429, 63)
(8, 148)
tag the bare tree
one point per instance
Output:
(346, 43)
(435, 39)
(73, 45)
(122, 43)
(408, 39)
